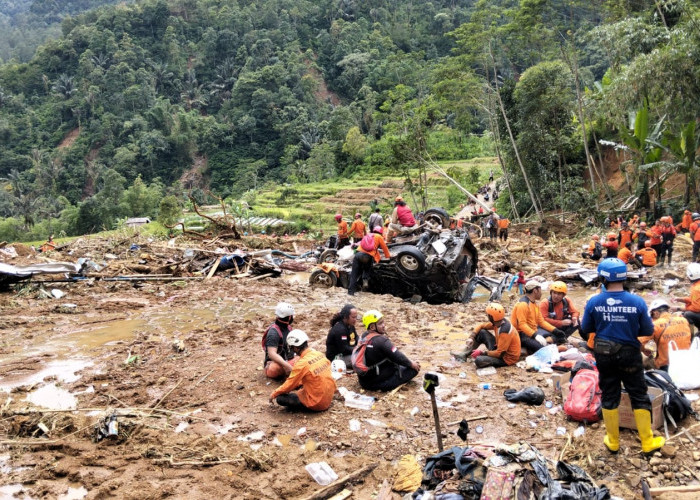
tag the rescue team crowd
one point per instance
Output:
(654, 244)
(615, 326)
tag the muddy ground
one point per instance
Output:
(180, 362)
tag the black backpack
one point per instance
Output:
(675, 405)
(597, 251)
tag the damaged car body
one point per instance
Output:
(436, 264)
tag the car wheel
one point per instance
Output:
(328, 255)
(321, 278)
(437, 216)
(410, 260)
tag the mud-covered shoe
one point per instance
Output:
(463, 355)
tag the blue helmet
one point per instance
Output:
(612, 269)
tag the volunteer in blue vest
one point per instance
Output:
(312, 372)
(342, 337)
(367, 252)
(388, 367)
(618, 319)
(559, 310)
(279, 358)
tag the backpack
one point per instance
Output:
(675, 405)
(597, 251)
(358, 355)
(368, 244)
(584, 400)
(264, 337)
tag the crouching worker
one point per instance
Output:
(312, 372)
(379, 365)
(527, 318)
(342, 337)
(559, 310)
(279, 358)
(667, 328)
(502, 341)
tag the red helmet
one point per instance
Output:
(338, 217)
(358, 215)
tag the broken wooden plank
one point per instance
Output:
(342, 495)
(213, 268)
(338, 485)
(690, 488)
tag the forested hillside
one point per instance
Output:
(137, 101)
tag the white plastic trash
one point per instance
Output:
(322, 473)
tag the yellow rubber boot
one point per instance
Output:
(612, 429)
(649, 442)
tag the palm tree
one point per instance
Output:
(64, 86)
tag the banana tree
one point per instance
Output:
(646, 151)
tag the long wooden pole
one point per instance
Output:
(335, 487)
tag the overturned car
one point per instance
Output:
(434, 264)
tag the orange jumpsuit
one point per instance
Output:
(625, 255)
(313, 372)
(507, 343)
(343, 230)
(666, 329)
(648, 255)
(692, 303)
(358, 229)
(378, 243)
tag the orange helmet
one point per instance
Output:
(647, 243)
(558, 286)
(495, 312)
(665, 219)
(595, 237)
(612, 236)
(398, 198)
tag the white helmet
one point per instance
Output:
(658, 303)
(338, 368)
(284, 310)
(295, 338)
(693, 271)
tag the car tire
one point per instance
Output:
(437, 216)
(328, 255)
(409, 260)
(321, 278)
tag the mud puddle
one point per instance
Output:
(53, 397)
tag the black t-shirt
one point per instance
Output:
(341, 339)
(273, 340)
(381, 350)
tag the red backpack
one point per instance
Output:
(368, 243)
(584, 401)
(358, 354)
(264, 337)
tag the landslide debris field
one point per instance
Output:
(179, 364)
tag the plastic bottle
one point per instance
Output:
(484, 386)
(489, 370)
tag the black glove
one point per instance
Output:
(559, 335)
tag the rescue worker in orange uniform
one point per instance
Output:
(624, 236)
(647, 255)
(695, 235)
(358, 228)
(611, 245)
(312, 372)
(367, 252)
(634, 221)
(655, 236)
(595, 250)
(692, 303)
(667, 328)
(668, 235)
(559, 310)
(625, 255)
(686, 221)
(343, 233)
(641, 235)
(531, 325)
(502, 341)
(49, 245)
(503, 224)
